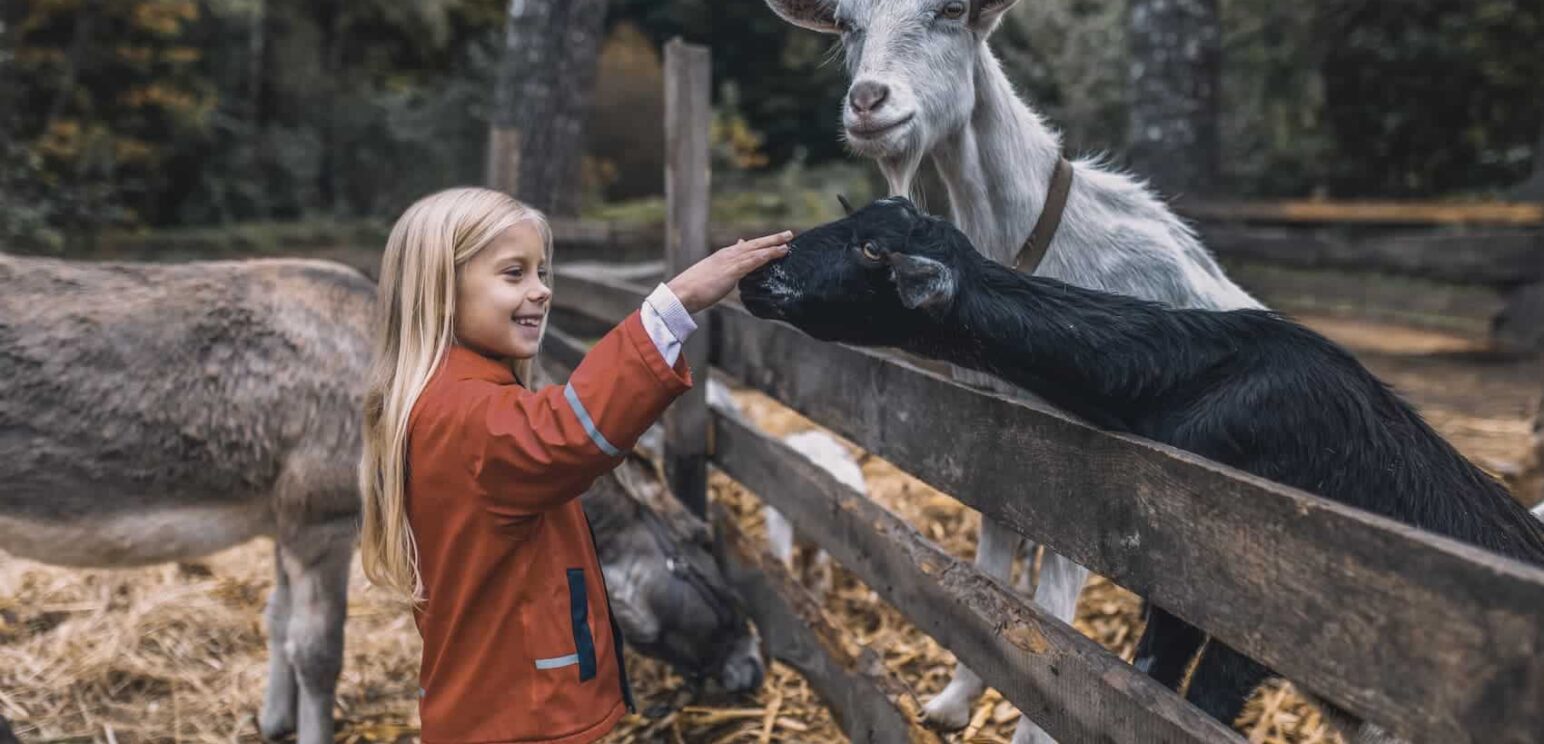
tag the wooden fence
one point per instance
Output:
(1433, 639)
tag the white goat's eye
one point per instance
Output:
(870, 251)
(843, 26)
(952, 10)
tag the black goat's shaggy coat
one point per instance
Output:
(1246, 388)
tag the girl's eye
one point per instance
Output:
(870, 251)
(952, 10)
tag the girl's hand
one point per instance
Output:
(706, 282)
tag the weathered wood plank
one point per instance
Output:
(608, 300)
(1462, 308)
(1520, 325)
(1437, 640)
(869, 703)
(1367, 212)
(1058, 677)
(688, 118)
(561, 352)
(1491, 257)
(502, 171)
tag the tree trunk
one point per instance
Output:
(10, 33)
(544, 85)
(329, 22)
(1174, 79)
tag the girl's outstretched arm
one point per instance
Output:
(532, 451)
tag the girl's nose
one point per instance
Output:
(541, 293)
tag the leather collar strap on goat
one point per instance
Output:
(1039, 241)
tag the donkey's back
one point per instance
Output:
(150, 412)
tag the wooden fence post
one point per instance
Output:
(688, 115)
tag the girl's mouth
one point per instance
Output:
(528, 322)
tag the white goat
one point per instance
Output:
(925, 84)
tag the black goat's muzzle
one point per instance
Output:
(763, 292)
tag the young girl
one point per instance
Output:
(470, 479)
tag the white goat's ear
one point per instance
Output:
(815, 15)
(985, 14)
(922, 283)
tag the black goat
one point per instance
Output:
(1246, 388)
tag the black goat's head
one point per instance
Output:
(876, 277)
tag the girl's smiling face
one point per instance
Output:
(502, 295)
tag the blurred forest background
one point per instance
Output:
(124, 115)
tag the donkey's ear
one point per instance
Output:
(985, 14)
(815, 15)
(922, 282)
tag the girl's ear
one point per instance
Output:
(922, 283)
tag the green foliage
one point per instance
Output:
(161, 112)
(791, 81)
(129, 113)
(793, 195)
(104, 94)
(1433, 96)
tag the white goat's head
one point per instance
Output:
(911, 63)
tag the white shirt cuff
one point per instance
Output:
(666, 321)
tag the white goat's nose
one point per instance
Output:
(867, 96)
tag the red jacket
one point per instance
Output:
(519, 644)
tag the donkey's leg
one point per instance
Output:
(1223, 681)
(1167, 646)
(277, 718)
(1061, 581)
(316, 558)
(994, 557)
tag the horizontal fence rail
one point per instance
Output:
(870, 703)
(1434, 639)
(1367, 212)
(1492, 257)
(1060, 678)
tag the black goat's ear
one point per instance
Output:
(846, 205)
(922, 283)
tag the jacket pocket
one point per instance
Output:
(579, 622)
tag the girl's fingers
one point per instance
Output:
(765, 241)
(758, 259)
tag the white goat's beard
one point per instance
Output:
(900, 173)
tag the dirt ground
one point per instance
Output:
(176, 652)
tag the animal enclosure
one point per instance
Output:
(1433, 639)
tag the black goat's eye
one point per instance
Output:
(870, 250)
(952, 10)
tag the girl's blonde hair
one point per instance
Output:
(415, 310)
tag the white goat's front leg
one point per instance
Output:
(1061, 581)
(779, 535)
(950, 710)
